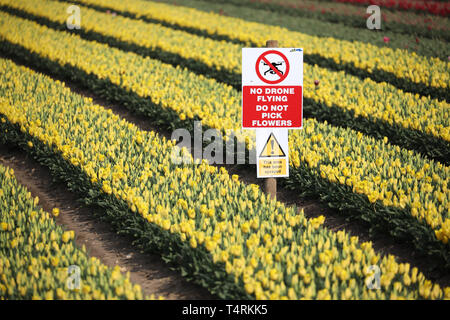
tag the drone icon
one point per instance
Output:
(275, 65)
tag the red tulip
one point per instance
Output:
(316, 82)
(386, 39)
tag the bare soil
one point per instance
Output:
(334, 221)
(149, 271)
(383, 244)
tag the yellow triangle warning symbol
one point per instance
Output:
(272, 148)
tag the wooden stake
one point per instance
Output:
(272, 44)
(270, 184)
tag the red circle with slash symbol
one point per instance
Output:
(273, 67)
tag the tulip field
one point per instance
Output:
(375, 146)
(36, 254)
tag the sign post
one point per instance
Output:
(270, 184)
(272, 103)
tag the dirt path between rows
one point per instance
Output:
(149, 271)
(383, 244)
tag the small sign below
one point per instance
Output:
(273, 153)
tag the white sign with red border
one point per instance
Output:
(272, 83)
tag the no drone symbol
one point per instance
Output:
(272, 67)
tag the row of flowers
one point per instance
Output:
(372, 171)
(402, 68)
(227, 235)
(434, 7)
(428, 44)
(336, 97)
(427, 25)
(379, 182)
(40, 260)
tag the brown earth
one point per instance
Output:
(335, 221)
(147, 270)
(150, 271)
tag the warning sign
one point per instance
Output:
(272, 81)
(272, 148)
(272, 152)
